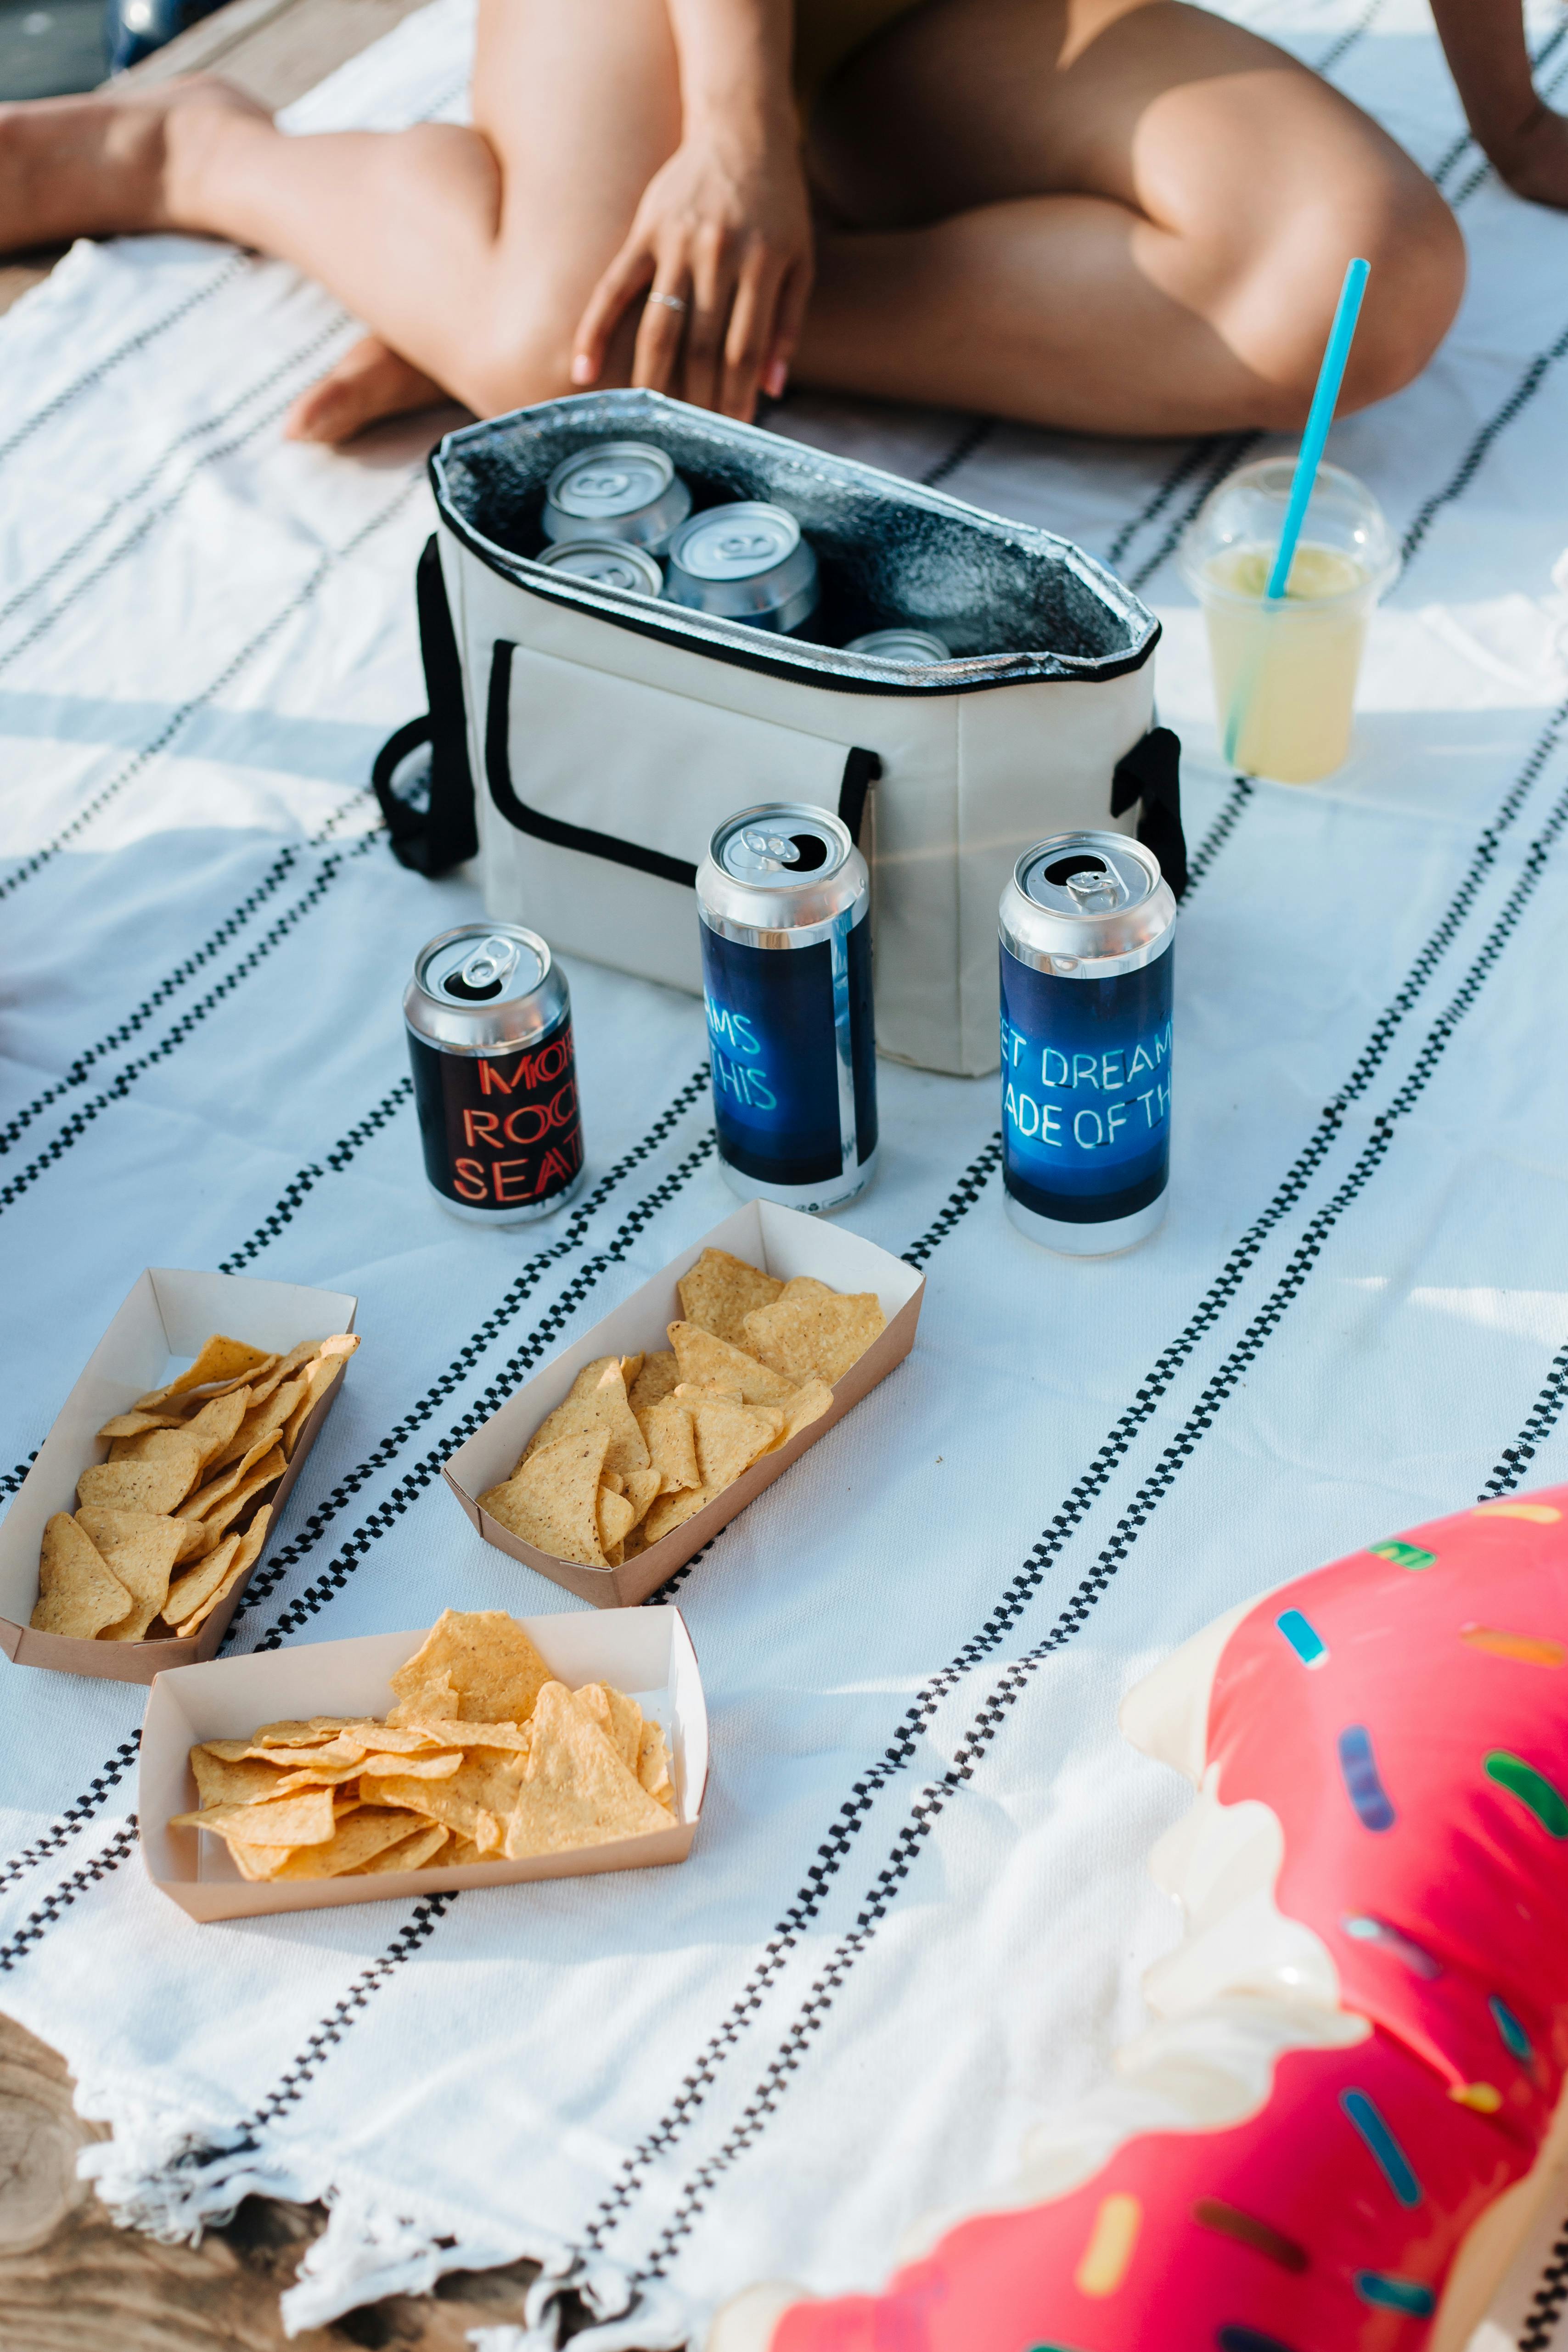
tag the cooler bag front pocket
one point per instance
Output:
(601, 793)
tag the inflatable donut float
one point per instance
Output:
(1336, 2134)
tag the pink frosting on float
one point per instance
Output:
(1409, 1729)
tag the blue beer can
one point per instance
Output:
(1087, 923)
(784, 898)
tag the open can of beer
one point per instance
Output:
(1087, 923)
(495, 1075)
(615, 489)
(746, 562)
(615, 562)
(784, 900)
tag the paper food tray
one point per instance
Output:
(170, 1312)
(646, 1652)
(782, 1242)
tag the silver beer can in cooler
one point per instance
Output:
(911, 646)
(615, 489)
(495, 1074)
(1087, 923)
(615, 561)
(745, 562)
(783, 898)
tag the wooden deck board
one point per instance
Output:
(275, 50)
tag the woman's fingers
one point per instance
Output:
(789, 319)
(666, 322)
(751, 334)
(625, 277)
(713, 272)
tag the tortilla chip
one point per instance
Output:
(409, 1852)
(353, 1843)
(139, 1547)
(671, 1444)
(669, 1512)
(267, 1419)
(234, 1780)
(437, 1767)
(616, 1520)
(218, 1422)
(294, 1733)
(305, 1820)
(199, 1584)
(224, 1482)
(730, 1437)
(720, 1291)
(807, 1405)
(658, 1375)
(451, 1733)
(265, 1473)
(150, 1486)
(630, 1367)
(476, 1801)
(643, 1487)
(197, 1539)
(488, 1661)
(78, 1593)
(618, 1716)
(652, 1764)
(318, 1378)
(577, 1790)
(135, 1424)
(811, 1330)
(460, 1850)
(701, 1357)
(219, 1359)
(597, 1398)
(552, 1499)
(257, 1861)
(239, 1568)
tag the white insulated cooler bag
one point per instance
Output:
(586, 741)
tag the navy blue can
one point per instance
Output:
(1087, 923)
(785, 897)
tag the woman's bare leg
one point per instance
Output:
(470, 252)
(1112, 215)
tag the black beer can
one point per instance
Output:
(495, 1075)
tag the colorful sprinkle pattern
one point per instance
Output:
(1331, 2218)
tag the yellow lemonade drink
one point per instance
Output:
(1285, 672)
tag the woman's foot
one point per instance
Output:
(109, 166)
(369, 383)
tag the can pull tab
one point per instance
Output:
(492, 961)
(1097, 890)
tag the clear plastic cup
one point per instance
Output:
(1285, 671)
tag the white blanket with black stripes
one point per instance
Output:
(917, 1909)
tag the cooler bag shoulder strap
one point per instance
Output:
(860, 768)
(434, 831)
(1151, 773)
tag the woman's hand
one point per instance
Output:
(1533, 160)
(724, 233)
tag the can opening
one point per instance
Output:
(466, 994)
(1067, 868)
(810, 852)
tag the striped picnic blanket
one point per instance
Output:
(917, 1909)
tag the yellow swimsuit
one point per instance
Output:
(826, 32)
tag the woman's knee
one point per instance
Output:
(1394, 217)
(511, 364)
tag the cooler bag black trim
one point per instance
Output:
(861, 768)
(443, 834)
(1151, 773)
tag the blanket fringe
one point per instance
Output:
(172, 2177)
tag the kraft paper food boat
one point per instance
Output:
(168, 1314)
(781, 1242)
(646, 1652)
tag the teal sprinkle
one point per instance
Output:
(1515, 2040)
(1388, 2294)
(1304, 1639)
(1384, 2149)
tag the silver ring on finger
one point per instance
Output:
(669, 301)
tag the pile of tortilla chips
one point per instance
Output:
(485, 1757)
(643, 1441)
(174, 1520)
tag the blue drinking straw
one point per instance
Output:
(1319, 416)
